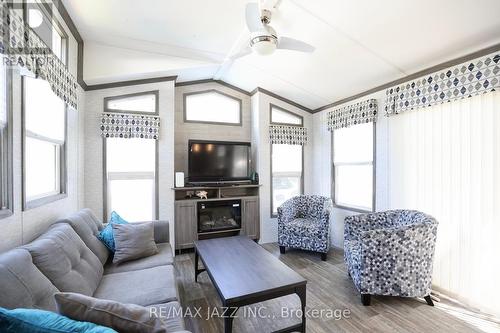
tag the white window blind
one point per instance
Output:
(445, 161)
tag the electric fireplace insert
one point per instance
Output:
(219, 215)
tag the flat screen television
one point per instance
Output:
(218, 162)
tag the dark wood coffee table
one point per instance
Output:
(244, 273)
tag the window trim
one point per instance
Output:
(374, 174)
(63, 172)
(184, 100)
(273, 215)
(9, 190)
(152, 92)
(271, 106)
(105, 180)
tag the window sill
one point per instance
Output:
(353, 209)
(43, 201)
(4, 213)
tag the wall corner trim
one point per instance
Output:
(130, 83)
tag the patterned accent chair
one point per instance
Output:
(304, 223)
(390, 253)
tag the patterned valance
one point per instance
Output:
(354, 114)
(465, 80)
(20, 46)
(288, 135)
(123, 125)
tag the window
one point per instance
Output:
(212, 107)
(131, 178)
(42, 21)
(286, 173)
(353, 167)
(144, 102)
(286, 162)
(282, 116)
(44, 143)
(5, 142)
(131, 164)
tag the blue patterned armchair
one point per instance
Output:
(304, 223)
(390, 253)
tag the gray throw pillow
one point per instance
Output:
(121, 317)
(133, 241)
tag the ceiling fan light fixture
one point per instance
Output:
(264, 45)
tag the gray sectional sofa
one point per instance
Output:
(68, 257)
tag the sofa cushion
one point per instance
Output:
(106, 234)
(22, 285)
(304, 226)
(144, 287)
(64, 258)
(119, 316)
(163, 257)
(171, 315)
(40, 321)
(133, 241)
(87, 227)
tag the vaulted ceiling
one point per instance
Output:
(360, 44)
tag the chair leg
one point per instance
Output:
(323, 256)
(282, 249)
(365, 299)
(429, 301)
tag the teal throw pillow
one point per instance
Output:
(40, 321)
(106, 234)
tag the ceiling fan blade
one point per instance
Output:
(252, 16)
(241, 54)
(287, 43)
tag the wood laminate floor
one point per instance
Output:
(332, 301)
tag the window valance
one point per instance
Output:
(354, 114)
(468, 79)
(20, 46)
(123, 125)
(288, 135)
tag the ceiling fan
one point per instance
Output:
(263, 39)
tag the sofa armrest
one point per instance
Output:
(161, 230)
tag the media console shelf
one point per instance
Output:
(186, 212)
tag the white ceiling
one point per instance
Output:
(360, 44)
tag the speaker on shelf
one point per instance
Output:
(179, 179)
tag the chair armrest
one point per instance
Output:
(286, 212)
(161, 231)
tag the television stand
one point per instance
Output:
(186, 218)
